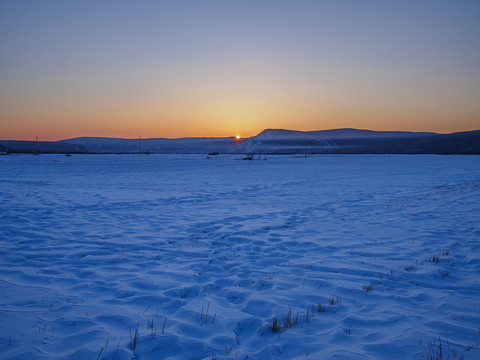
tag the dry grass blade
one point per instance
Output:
(436, 352)
(163, 327)
(135, 337)
(100, 353)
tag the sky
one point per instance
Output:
(224, 68)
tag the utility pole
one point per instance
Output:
(305, 147)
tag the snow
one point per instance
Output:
(92, 244)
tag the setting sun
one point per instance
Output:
(237, 137)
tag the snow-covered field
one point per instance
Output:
(377, 255)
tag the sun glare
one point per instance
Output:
(237, 137)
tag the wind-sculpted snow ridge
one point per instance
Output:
(329, 257)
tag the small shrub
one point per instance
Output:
(321, 308)
(368, 287)
(275, 325)
(335, 300)
(288, 321)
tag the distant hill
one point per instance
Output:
(41, 147)
(346, 133)
(157, 145)
(333, 141)
(354, 141)
(270, 141)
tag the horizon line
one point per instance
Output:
(235, 135)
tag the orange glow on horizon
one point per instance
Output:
(218, 78)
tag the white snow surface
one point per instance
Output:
(92, 244)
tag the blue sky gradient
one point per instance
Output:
(220, 68)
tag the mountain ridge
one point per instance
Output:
(338, 133)
(270, 141)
